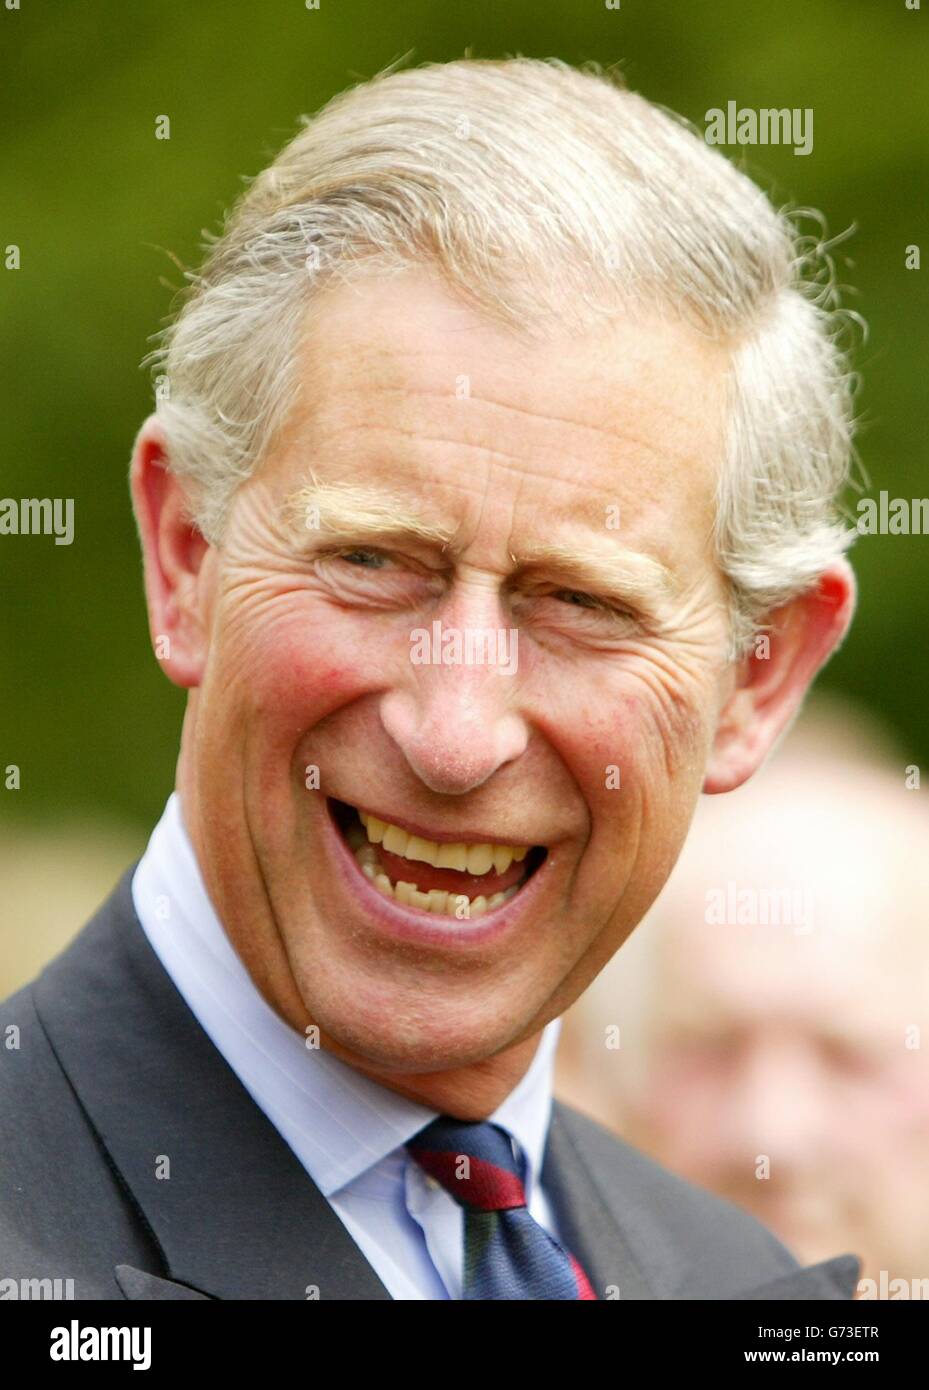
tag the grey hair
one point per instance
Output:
(547, 196)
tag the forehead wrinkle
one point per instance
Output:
(640, 393)
(478, 397)
(615, 432)
(498, 459)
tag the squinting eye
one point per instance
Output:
(577, 598)
(360, 558)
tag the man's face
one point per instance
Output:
(535, 461)
(776, 1045)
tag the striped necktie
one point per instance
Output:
(507, 1254)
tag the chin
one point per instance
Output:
(404, 1038)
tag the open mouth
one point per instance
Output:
(457, 880)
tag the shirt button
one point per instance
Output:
(431, 1181)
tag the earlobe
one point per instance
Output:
(771, 681)
(174, 552)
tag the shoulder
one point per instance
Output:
(63, 1213)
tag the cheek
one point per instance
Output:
(665, 692)
(633, 738)
(680, 1089)
(644, 747)
(668, 720)
(895, 1096)
(294, 666)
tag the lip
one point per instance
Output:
(418, 927)
(468, 836)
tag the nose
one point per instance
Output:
(458, 723)
(778, 1102)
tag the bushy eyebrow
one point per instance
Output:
(355, 512)
(602, 566)
(347, 514)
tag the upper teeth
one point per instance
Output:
(471, 859)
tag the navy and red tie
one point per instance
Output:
(507, 1254)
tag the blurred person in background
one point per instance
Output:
(783, 1063)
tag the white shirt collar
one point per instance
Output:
(338, 1122)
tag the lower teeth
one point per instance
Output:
(437, 900)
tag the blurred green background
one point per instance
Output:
(99, 208)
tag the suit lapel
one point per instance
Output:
(232, 1209)
(585, 1219)
(833, 1279)
(136, 1285)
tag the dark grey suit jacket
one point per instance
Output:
(104, 1070)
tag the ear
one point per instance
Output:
(772, 679)
(175, 558)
